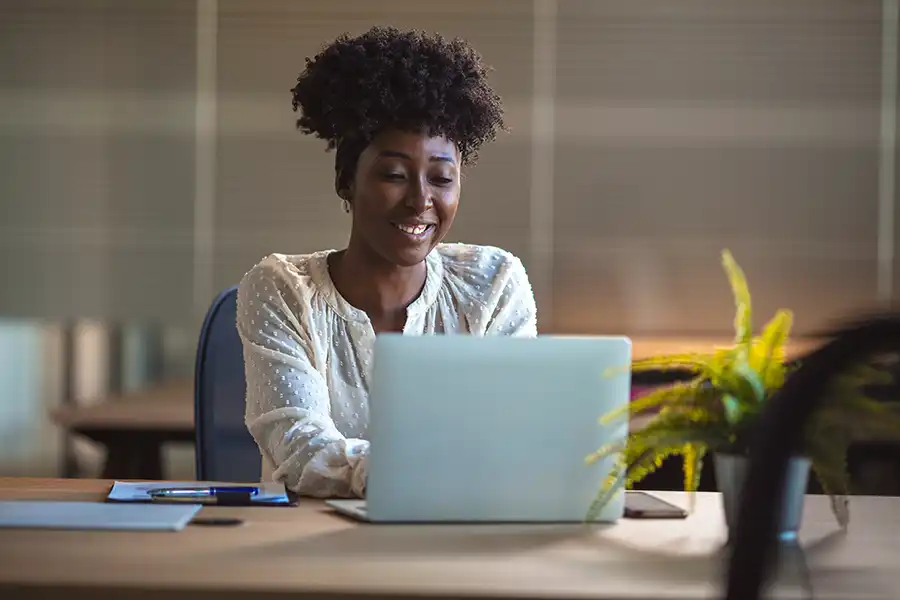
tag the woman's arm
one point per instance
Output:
(288, 409)
(511, 302)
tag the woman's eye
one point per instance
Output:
(442, 180)
(394, 176)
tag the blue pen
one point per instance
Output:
(199, 493)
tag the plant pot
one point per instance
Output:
(731, 471)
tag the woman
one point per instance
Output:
(405, 111)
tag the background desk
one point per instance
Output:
(134, 427)
(308, 552)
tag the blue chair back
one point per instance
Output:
(225, 449)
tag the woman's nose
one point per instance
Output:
(419, 196)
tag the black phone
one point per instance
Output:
(641, 505)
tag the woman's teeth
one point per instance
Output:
(412, 229)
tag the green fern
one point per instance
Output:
(717, 409)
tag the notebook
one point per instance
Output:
(19, 514)
(271, 493)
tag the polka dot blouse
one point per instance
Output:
(308, 353)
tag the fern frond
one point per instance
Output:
(677, 393)
(742, 391)
(693, 466)
(743, 326)
(840, 506)
(863, 374)
(864, 419)
(613, 484)
(640, 448)
(768, 353)
(675, 430)
(847, 407)
(847, 415)
(636, 444)
(651, 462)
(678, 420)
(628, 471)
(827, 450)
(605, 451)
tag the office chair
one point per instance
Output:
(225, 449)
(782, 422)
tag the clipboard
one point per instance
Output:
(270, 493)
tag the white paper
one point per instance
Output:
(18, 514)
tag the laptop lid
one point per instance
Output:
(466, 428)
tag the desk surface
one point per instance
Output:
(168, 407)
(308, 551)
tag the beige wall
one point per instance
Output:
(97, 138)
(676, 129)
(686, 127)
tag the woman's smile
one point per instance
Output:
(416, 232)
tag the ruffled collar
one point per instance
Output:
(318, 269)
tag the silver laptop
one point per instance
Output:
(491, 429)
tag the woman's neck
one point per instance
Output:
(380, 289)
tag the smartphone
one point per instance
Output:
(641, 505)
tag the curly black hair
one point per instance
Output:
(386, 78)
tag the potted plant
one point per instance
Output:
(715, 411)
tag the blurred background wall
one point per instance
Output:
(148, 159)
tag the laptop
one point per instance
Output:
(491, 429)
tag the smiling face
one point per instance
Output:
(404, 195)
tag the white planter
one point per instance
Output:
(731, 471)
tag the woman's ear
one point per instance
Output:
(344, 189)
(346, 196)
(346, 193)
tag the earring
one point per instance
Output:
(345, 205)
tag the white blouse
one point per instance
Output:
(308, 353)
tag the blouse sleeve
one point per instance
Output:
(511, 302)
(288, 410)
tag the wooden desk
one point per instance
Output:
(308, 552)
(134, 427)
